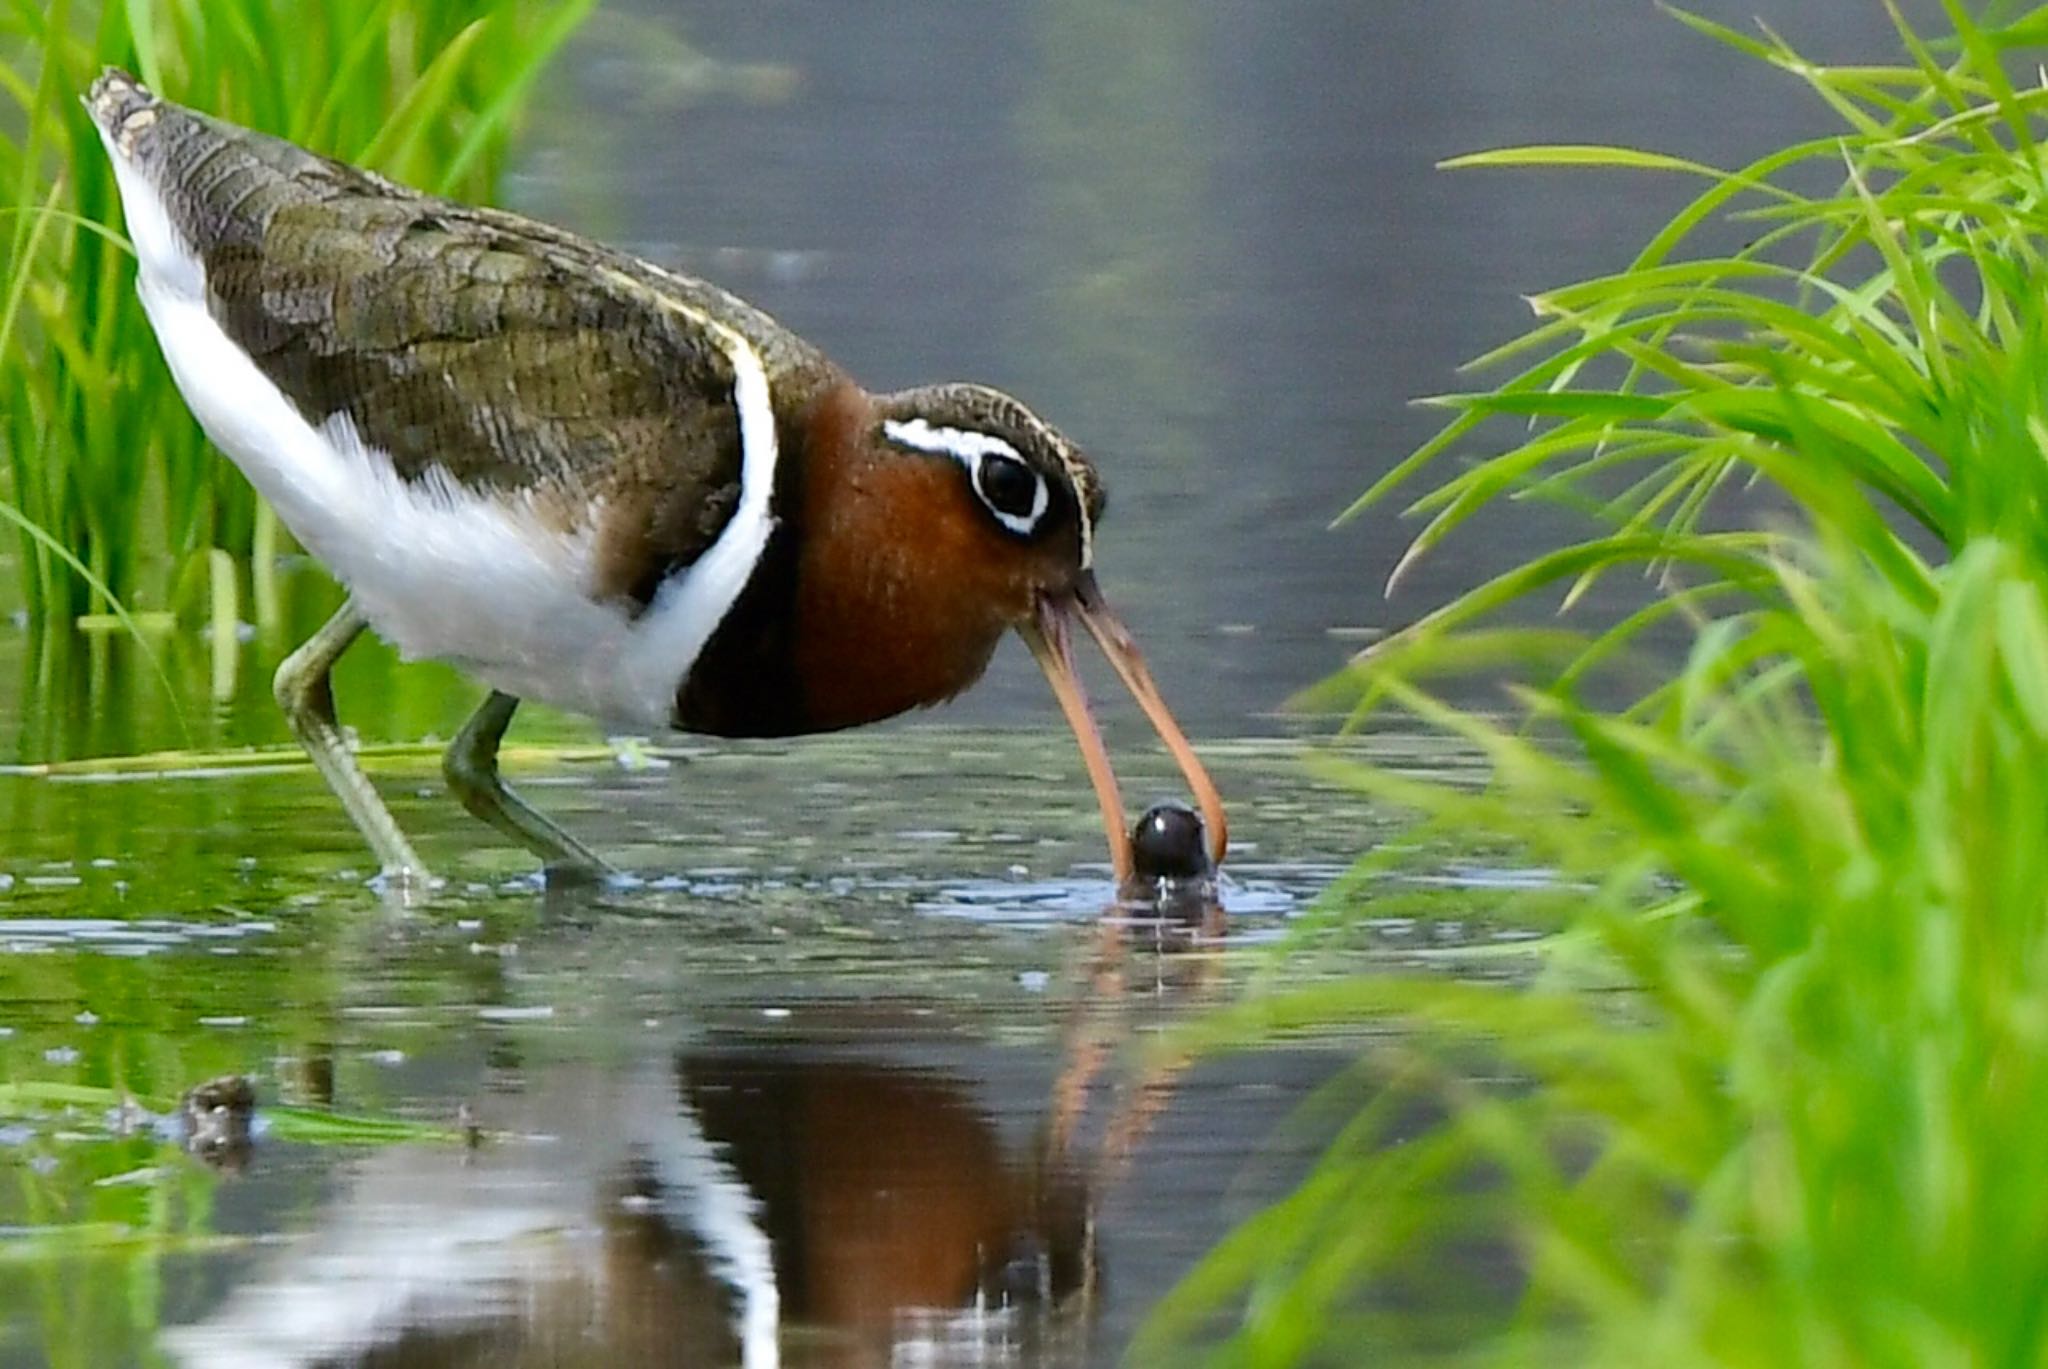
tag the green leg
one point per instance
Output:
(307, 697)
(471, 765)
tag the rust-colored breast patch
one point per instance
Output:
(903, 591)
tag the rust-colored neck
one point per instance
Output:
(902, 594)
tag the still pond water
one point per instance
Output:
(852, 1068)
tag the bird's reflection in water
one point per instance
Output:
(784, 1204)
(895, 1211)
(777, 1210)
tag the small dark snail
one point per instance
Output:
(1168, 843)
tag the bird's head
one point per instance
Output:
(1027, 503)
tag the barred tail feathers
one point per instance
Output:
(124, 109)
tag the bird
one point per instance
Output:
(587, 480)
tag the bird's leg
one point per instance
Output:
(306, 694)
(471, 765)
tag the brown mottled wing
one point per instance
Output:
(454, 343)
(507, 354)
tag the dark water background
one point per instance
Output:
(853, 1033)
(1209, 241)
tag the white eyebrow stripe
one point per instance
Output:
(970, 448)
(961, 443)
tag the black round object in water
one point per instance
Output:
(1168, 843)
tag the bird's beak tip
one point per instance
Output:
(1047, 632)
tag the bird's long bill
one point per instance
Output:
(1050, 641)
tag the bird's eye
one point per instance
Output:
(1016, 495)
(1012, 490)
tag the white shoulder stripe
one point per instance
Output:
(673, 632)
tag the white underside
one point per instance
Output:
(480, 579)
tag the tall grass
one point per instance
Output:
(95, 449)
(1777, 1081)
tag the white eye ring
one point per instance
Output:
(970, 449)
(1023, 524)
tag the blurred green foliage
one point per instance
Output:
(98, 458)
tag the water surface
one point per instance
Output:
(858, 1065)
